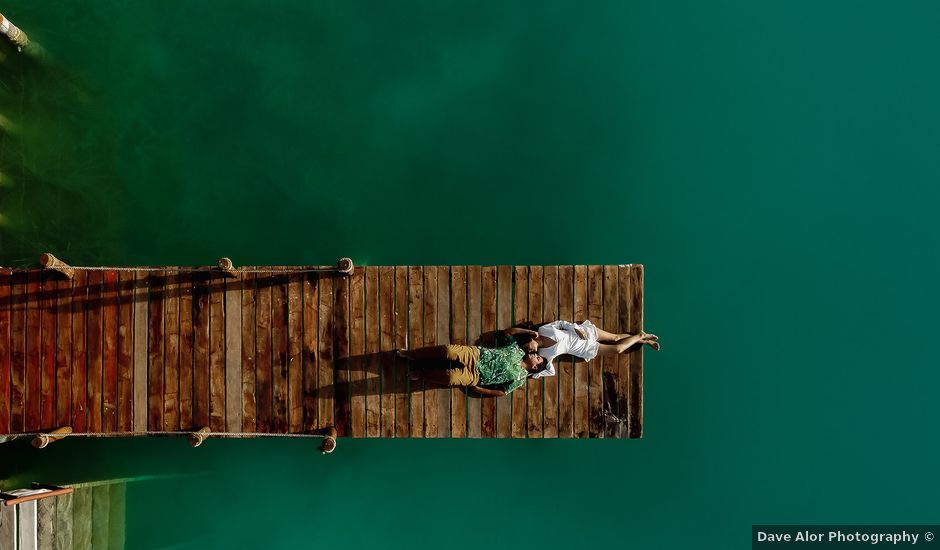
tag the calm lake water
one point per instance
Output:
(774, 167)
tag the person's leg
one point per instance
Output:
(631, 343)
(604, 336)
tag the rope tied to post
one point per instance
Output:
(344, 266)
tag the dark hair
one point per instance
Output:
(544, 366)
(522, 339)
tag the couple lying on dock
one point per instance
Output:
(498, 371)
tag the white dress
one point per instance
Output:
(567, 341)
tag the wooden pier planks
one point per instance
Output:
(287, 352)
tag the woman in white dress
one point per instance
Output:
(582, 340)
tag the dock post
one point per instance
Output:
(227, 267)
(13, 33)
(196, 438)
(345, 266)
(49, 261)
(41, 441)
(329, 442)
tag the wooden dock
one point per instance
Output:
(291, 351)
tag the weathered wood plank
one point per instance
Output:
(595, 369)
(63, 521)
(488, 404)
(564, 366)
(325, 389)
(372, 371)
(82, 516)
(47, 349)
(63, 354)
(248, 328)
(187, 347)
(534, 386)
(94, 376)
(27, 528)
(109, 350)
(310, 351)
(233, 353)
(474, 335)
(429, 335)
(8, 527)
(341, 406)
(416, 340)
(18, 335)
(503, 321)
(141, 341)
(636, 361)
(610, 365)
(217, 354)
(264, 395)
(155, 368)
(520, 314)
(581, 374)
(621, 406)
(295, 366)
(402, 397)
(550, 383)
(6, 287)
(100, 523)
(201, 314)
(33, 362)
(389, 384)
(125, 351)
(357, 348)
(45, 522)
(171, 338)
(116, 515)
(458, 335)
(441, 396)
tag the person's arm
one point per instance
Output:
(488, 392)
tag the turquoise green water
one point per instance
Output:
(773, 166)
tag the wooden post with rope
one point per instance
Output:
(227, 267)
(13, 33)
(196, 438)
(49, 261)
(42, 441)
(329, 440)
(345, 266)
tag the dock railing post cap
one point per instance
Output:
(329, 442)
(227, 267)
(41, 441)
(196, 438)
(345, 266)
(48, 261)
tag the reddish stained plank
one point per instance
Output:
(429, 335)
(357, 346)
(310, 351)
(564, 366)
(155, 363)
(458, 335)
(6, 284)
(610, 365)
(550, 383)
(33, 362)
(388, 382)
(248, 328)
(474, 334)
(141, 343)
(621, 406)
(125, 352)
(595, 369)
(341, 405)
(325, 388)
(401, 342)
(416, 340)
(201, 315)
(19, 300)
(520, 314)
(503, 321)
(172, 353)
(636, 361)
(372, 372)
(47, 348)
(441, 396)
(187, 346)
(279, 353)
(109, 350)
(94, 374)
(79, 365)
(217, 354)
(63, 353)
(295, 367)
(581, 382)
(488, 404)
(534, 386)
